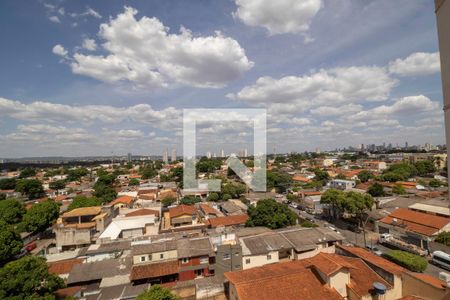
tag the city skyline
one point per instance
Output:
(79, 92)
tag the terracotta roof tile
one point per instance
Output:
(419, 222)
(64, 266)
(143, 212)
(181, 210)
(228, 220)
(123, 199)
(83, 211)
(153, 270)
(208, 209)
(373, 259)
(436, 282)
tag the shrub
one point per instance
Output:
(408, 260)
(443, 238)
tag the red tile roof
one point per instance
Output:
(143, 212)
(61, 198)
(181, 210)
(123, 199)
(208, 209)
(68, 292)
(288, 280)
(415, 221)
(154, 270)
(300, 178)
(436, 282)
(64, 266)
(228, 220)
(328, 264)
(373, 259)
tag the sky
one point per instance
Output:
(83, 78)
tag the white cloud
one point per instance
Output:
(405, 106)
(59, 50)
(54, 19)
(336, 111)
(143, 53)
(416, 64)
(326, 87)
(89, 44)
(280, 16)
(90, 12)
(61, 11)
(168, 118)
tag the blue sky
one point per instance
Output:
(91, 78)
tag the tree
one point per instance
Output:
(168, 201)
(31, 188)
(76, 174)
(133, 182)
(399, 172)
(11, 211)
(398, 189)
(10, 242)
(190, 200)
(8, 184)
(2, 196)
(40, 216)
(148, 172)
(435, 183)
(341, 176)
(226, 197)
(28, 278)
(277, 180)
(376, 190)
(103, 188)
(213, 197)
(425, 167)
(27, 172)
(408, 260)
(444, 238)
(321, 175)
(364, 176)
(271, 214)
(83, 201)
(334, 198)
(57, 185)
(156, 292)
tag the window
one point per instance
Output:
(161, 256)
(247, 261)
(269, 257)
(143, 258)
(226, 256)
(150, 257)
(185, 260)
(204, 260)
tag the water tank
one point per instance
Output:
(379, 288)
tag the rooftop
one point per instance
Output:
(181, 210)
(228, 220)
(152, 270)
(83, 211)
(123, 199)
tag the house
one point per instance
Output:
(196, 258)
(301, 179)
(341, 184)
(79, 227)
(123, 202)
(284, 245)
(374, 165)
(183, 215)
(143, 212)
(64, 267)
(234, 220)
(416, 227)
(208, 212)
(231, 208)
(130, 227)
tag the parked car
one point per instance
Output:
(30, 246)
(374, 249)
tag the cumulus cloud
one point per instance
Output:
(336, 111)
(168, 118)
(416, 64)
(54, 19)
(59, 50)
(89, 44)
(278, 17)
(143, 52)
(324, 88)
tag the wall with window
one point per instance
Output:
(155, 257)
(252, 261)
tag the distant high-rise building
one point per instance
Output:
(214, 155)
(166, 156)
(406, 145)
(318, 150)
(174, 155)
(245, 152)
(129, 157)
(208, 154)
(222, 153)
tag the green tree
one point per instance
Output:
(408, 260)
(156, 292)
(271, 214)
(2, 196)
(213, 197)
(226, 197)
(341, 176)
(277, 180)
(8, 184)
(189, 200)
(133, 182)
(10, 242)
(32, 188)
(76, 174)
(435, 183)
(168, 201)
(399, 172)
(104, 188)
(57, 185)
(83, 201)
(334, 198)
(321, 175)
(425, 167)
(40, 216)
(11, 211)
(148, 172)
(27, 172)
(444, 238)
(398, 189)
(28, 278)
(364, 176)
(376, 190)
